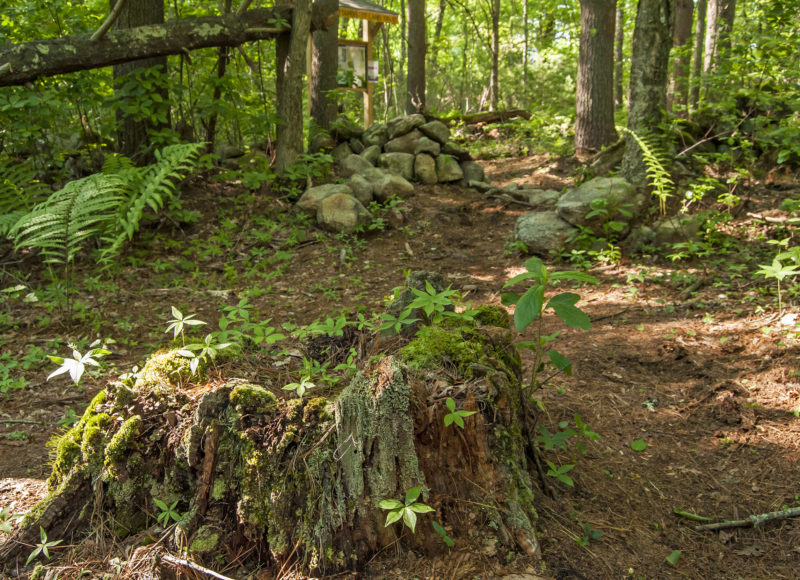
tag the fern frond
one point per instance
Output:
(79, 211)
(19, 191)
(655, 160)
(155, 185)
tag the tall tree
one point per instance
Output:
(133, 129)
(323, 74)
(697, 54)
(415, 81)
(619, 41)
(494, 77)
(594, 121)
(652, 40)
(678, 95)
(719, 24)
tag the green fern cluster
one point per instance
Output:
(108, 205)
(655, 161)
(19, 191)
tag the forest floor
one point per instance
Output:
(694, 360)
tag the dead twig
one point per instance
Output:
(753, 521)
(193, 566)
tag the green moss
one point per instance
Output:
(315, 410)
(204, 541)
(434, 347)
(163, 369)
(93, 438)
(253, 399)
(122, 439)
(67, 451)
(492, 315)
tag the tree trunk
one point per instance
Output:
(678, 95)
(415, 81)
(619, 32)
(525, 41)
(263, 478)
(652, 40)
(133, 130)
(594, 121)
(324, 64)
(31, 60)
(697, 54)
(494, 78)
(290, 69)
(222, 64)
(719, 25)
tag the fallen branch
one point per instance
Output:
(101, 32)
(752, 521)
(193, 566)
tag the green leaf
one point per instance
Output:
(564, 306)
(561, 362)
(451, 404)
(573, 275)
(529, 307)
(674, 557)
(509, 298)
(390, 504)
(412, 495)
(393, 516)
(639, 445)
(410, 519)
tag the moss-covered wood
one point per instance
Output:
(297, 480)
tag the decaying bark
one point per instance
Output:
(22, 63)
(295, 481)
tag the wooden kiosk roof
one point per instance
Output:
(366, 10)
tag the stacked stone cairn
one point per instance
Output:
(381, 162)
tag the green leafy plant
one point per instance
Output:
(589, 534)
(179, 322)
(300, 388)
(202, 351)
(779, 272)
(43, 547)
(439, 529)
(560, 473)
(7, 520)
(167, 512)
(655, 163)
(406, 510)
(76, 365)
(19, 191)
(455, 416)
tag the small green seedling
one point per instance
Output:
(167, 512)
(300, 388)
(673, 557)
(407, 510)
(589, 534)
(76, 365)
(42, 547)
(200, 351)
(779, 271)
(639, 445)
(454, 416)
(560, 473)
(439, 529)
(179, 323)
(7, 519)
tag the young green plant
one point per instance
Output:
(406, 510)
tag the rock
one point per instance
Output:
(341, 151)
(510, 188)
(404, 124)
(575, 204)
(400, 163)
(343, 129)
(425, 145)
(460, 153)
(377, 134)
(542, 232)
(676, 229)
(425, 169)
(356, 145)
(310, 200)
(392, 185)
(228, 151)
(363, 189)
(371, 154)
(341, 213)
(472, 171)
(545, 197)
(482, 186)
(321, 142)
(406, 143)
(436, 130)
(353, 164)
(448, 169)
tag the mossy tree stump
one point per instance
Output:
(296, 481)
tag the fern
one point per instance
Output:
(655, 162)
(80, 211)
(19, 192)
(151, 186)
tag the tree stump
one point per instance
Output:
(261, 478)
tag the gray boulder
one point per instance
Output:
(356, 145)
(425, 169)
(541, 197)
(371, 154)
(406, 143)
(321, 142)
(400, 163)
(472, 171)
(542, 232)
(448, 169)
(404, 124)
(341, 213)
(353, 164)
(310, 200)
(459, 153)
(482, 186)
(575, 204)
(436, 130)
(343, 129)
(376, 134)
(363, 189)
(392, 185)
(341, 151)
(425, 145)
